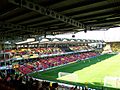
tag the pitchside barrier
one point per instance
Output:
(63, 86)
(113, 82)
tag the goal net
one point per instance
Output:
(68, 77)
(61, 74)
(113, 82)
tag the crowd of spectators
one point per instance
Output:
(23, 82)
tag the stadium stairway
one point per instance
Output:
(65, 48)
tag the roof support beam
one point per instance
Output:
(47, 12)
(12, 27)
(43, 23)
(80, 9)
(19, 27)
(105, 23)
(13, 34)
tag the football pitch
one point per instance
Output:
(90, 72)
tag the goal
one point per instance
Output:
(61, 74)
(113, 82)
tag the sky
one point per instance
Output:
(112, 34)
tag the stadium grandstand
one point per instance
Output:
(115, 46)
(59, 45)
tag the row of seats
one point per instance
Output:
(43, 64)
(40, 51)
(24, 69)
(78, 48)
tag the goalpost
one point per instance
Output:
(113, 82)
(68, 76)
(61, 74)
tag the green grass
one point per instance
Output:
(90, 72)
